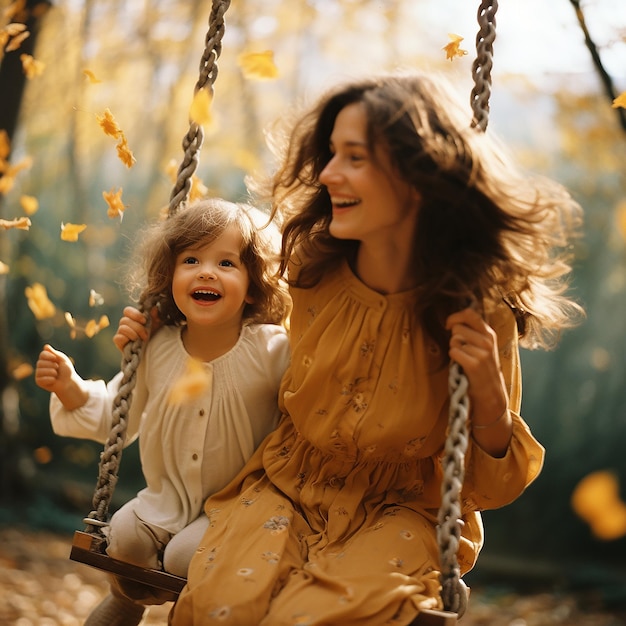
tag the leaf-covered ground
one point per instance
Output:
(40, 586)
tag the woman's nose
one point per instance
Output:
(330, 173)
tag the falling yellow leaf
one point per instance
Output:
(71, 322)
(16, 41)
(4, 268)
(23, 370)
(200, 110)
(91, 77)
(596, 500)
(620, 101)
(70, 232)
(23, 223)
(114, 202)
(93, 328)
(124, 152)
(5, 144)
(38, 301)
(195, 381)
(258, 65)
(95, 299)
(9, 172)
(29, 204)
(453, 48)
(14, 28)
(43, 455)
(108, 124)
(31, 66)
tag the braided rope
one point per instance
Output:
(192, 142)
(481, 68)
(449, 528)
(453, 590)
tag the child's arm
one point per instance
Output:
(55, 373)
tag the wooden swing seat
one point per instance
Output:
(89, 549)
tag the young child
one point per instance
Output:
(411, 240)
(212, 272)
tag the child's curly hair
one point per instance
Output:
(200, 223)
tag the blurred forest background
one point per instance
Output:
(553, 88)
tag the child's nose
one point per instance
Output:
(207, 271)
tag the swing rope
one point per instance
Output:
(453, 590)
(481, 68)
(192, 142)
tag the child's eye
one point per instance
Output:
(227, 263)
(190, 260)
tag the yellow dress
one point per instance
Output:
(333, 520)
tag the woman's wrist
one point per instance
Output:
(493, 422)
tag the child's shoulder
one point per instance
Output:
(260, 333)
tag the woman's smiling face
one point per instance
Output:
(370, 202)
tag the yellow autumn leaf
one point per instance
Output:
(38, 301)
(6, 184)
(114, 202)
(453, 48)
(22, 223)
(70, 232)
(620, 101)
(91, 77)
(95, 299)
(31, 66)
(200, 110)
(124, 153)
(108, 124)
(16, 41)
(71, 322)
(611, 524)
(4, 268)
(30, 204)
(596, 500)
(9, 172)
(43, 455)
(5, 144)
(93, 328)
(258, 65)
(23, 370)
(195, 381)
(14, 28)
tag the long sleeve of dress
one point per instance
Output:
(93, 419)
(494, 482)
